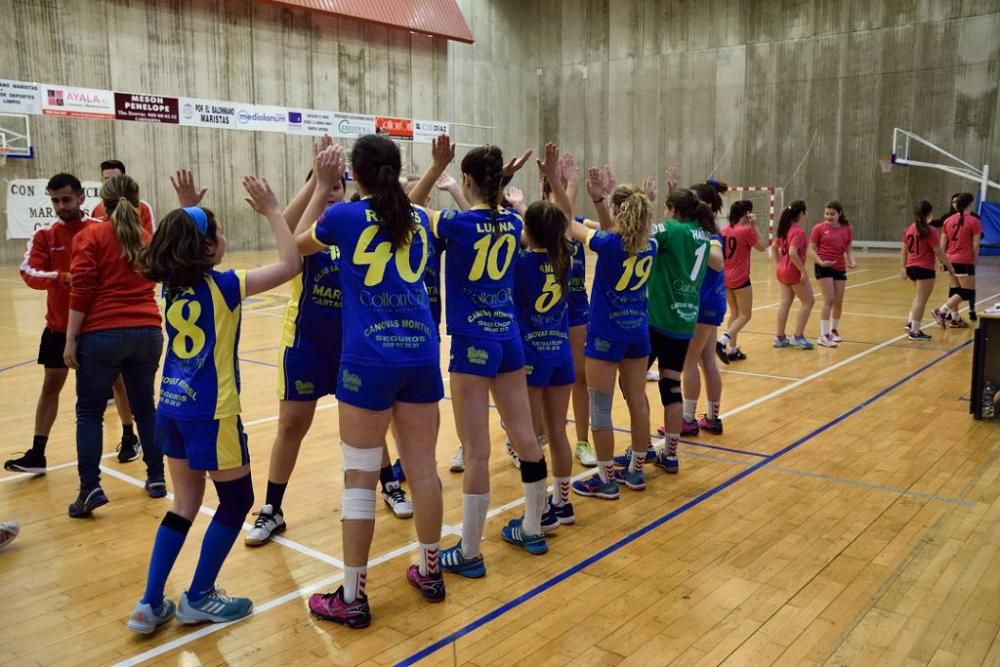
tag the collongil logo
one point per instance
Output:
(303, 387)
(351, 381)
(477, 356)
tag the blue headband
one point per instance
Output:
(198, 217)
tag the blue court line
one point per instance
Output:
(631, 537)
(23, 363)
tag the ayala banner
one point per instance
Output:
(77, 102)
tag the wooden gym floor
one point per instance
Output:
(850, 515)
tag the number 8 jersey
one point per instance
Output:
(618, 305)
(201, 372)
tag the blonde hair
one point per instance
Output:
(634, 219)
(120, 195)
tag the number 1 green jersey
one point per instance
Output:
(678, 271)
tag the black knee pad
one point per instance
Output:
(533, 471)
(235, 501)
(952, 291)
(670, 391)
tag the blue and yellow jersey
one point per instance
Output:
(201, 372)
(386, 309)
(479, 279)
(713, 287)
(313, 313)
(618, 304)
(542, 309)
(432, 275)
(579, 304)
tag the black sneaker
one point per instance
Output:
(129, 450)
(737, 355)
(972, 315)
(31, 462)
(918, 335)
(720, 352)
(87, 502)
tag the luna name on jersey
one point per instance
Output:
(501, 225)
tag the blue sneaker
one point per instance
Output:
(803, 342)
(595, 488)
(565, 514)
(216, 607)
(145, 619)
(156, 488)
(622, 460)
(514, 533)
(550, 521)
(668, 463)
(633, 480)
(87, 501)
(397, 471)
(454, 560)
(782, 341)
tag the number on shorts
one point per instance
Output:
(488, 256)
(634, 267)
(190, 339)
(550, 296)
(378, 259)
(699, 258)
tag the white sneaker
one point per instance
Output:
(395, 497)
(826, 341)
(653, 375)
(835, 337)
(514, 458)
(8, 533)
(268, 523)
(585, 454)
(458, 463)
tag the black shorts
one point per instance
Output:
(919, 273)
(829, 272)
(964, 269)
(746, 284)
(667, 350)
(51, 348)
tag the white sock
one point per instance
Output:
(725, 338)
(636, 460)
(914, 322)
(560, 494)
(689, 408)
(833, 323)
(824, 327)
(354, 582)
(671, 445)
(713, 409)
(535, 495)
(429, 563)
(605, 470)
(474, 509)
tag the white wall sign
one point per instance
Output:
(20, 97)
(354, 126)
(261, 119)
(29, 207)
(77, 102)
(310, 121)
(425, 131)
(207, 113)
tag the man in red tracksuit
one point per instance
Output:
(46, 267)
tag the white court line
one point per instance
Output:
(898, 318)
(760, 375)
(894, 276)
(274, 418)
(61, 466)
(204, 509)
(828, 369)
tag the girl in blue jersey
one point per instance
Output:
(198, 419)
(486, 348)
(389, 369)
(618, 327)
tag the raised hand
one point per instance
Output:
(323, 142)
(568, 169)
(188, 193)
(549, 163)
(671, 178)
(609, 180)
(446, 182)
(515, 164)
(649, 187)
(262, 198)
(442, 151)
(596, 187)
(328, 166)
(514, 196)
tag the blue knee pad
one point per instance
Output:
(600, 409)
(670, 391)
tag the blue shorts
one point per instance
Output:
(579, 309)
(615, 351)
(712, 314)
(207, 444)
(550, 376)
(379, 387)
(307, 372)
(486, 358)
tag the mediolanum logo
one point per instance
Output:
(246, 117)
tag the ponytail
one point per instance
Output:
(963, 202)
(920, 214)
(634, 217)
(789, 216)
(376, 165)
(120, 195)
(546, 225)
(688, 205)
(484, 165)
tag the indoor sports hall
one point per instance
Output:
(751, 245)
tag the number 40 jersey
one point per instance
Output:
(201, 373)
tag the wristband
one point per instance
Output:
(505, 181)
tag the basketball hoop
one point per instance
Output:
(3, 152)
(886, 164)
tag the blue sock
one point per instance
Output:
(169, 540)
(235, 500)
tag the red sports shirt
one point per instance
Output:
(920, 251)
(832, 243)
(787, 273)
(738, 241)
(959, 244)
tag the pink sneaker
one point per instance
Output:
(713, 426)
(661, 430)
(835, 336)
(939, 317)
(431, 586)
(331, 606)
(689, 427)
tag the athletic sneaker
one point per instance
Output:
(431, 585)
(395, 497)
(595, 488)
(689, 427)
(564, 513)
(720, 352)
(129, 450)
(331, 607)
(940, 317)
(713, 426)
(550, 521)
(622, 460)
(513, 533)
(30, 462)
(919, 335)
(585, 454)
(973, 316)
(633, 480)
(156, 488)
(267, 524)
(454, 560)
(652, 375)
(397, 471)
(957, 322)
(8, 533)
(145, 619)
(87, 501)
(835, 337)
(802, 342)
(458, 463)
(514, 458)
(782, 341)
(736, 354)
(908, 326)
(826, 341)
(216, 607)
(668, 463)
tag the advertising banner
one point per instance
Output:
(145, 108)
(395, 128)
(29, 207)
(261, 119)
(425, 131)
(353, 126)
(77, 102)
(310, 121)
(207, 113)
(20, 97)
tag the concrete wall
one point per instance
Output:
(798, 93)
(247, 51)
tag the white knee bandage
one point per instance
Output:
(367, 459)
(358, 504)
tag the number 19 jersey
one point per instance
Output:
(678, 272)
(201, 372)
(479, 280)
(618, 305)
